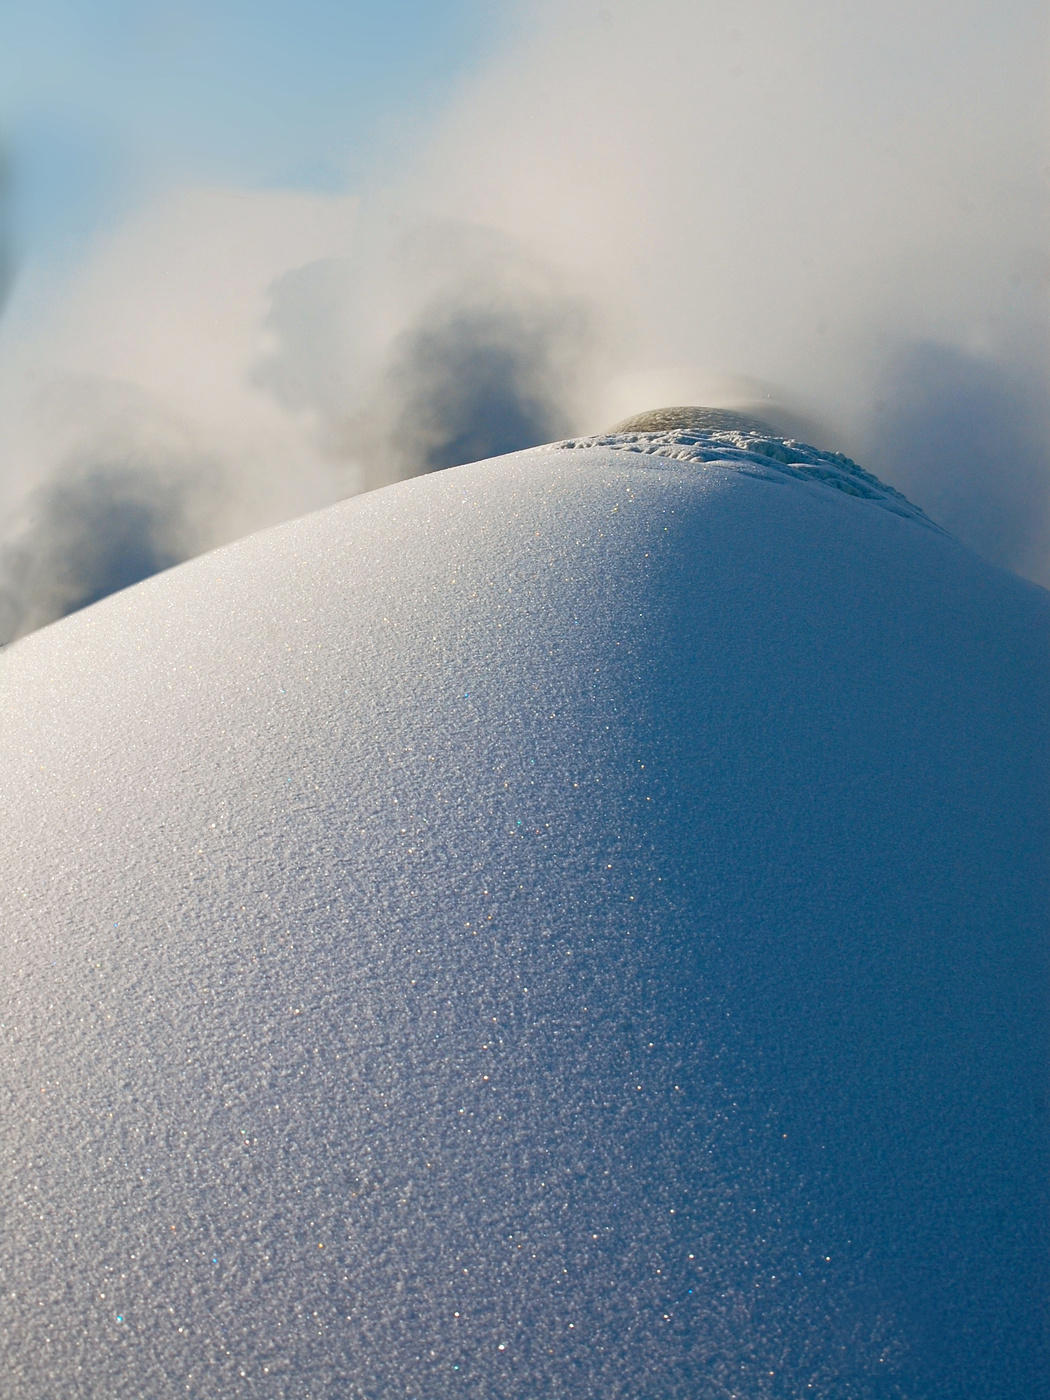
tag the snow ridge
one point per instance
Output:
(758, 454)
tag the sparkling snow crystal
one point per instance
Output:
(569, 926)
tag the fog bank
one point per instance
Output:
(836, 215)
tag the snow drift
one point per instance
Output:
(573, 925)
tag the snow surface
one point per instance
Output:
(751, 448)
(570, 926)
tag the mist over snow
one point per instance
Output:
(238, 389)
(90, 534)
(836, 212)
(847, 203)
(573, 924)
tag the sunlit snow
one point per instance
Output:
(569, 926)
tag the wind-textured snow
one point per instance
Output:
(569, 926)
(756, 451)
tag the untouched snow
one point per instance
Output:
(571, 926)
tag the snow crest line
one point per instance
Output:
(756, 454)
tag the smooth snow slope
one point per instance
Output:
(571, 926)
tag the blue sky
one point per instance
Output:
(104, 100)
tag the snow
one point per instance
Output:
(573, 925)
(752, 448)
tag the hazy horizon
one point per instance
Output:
(261, 262)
